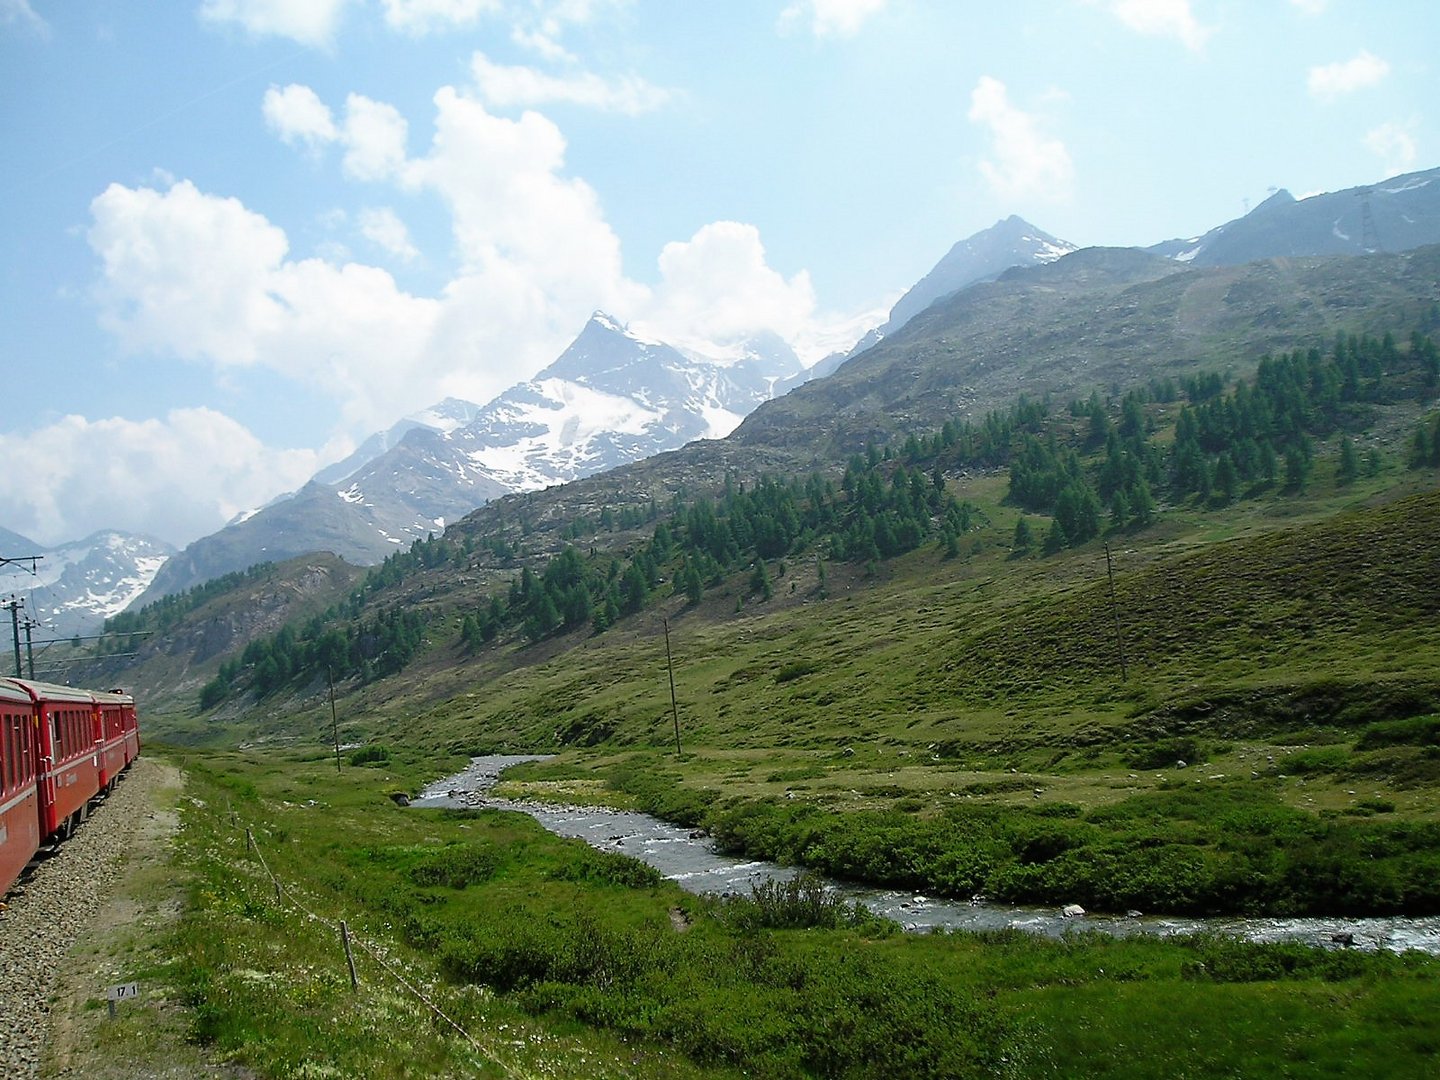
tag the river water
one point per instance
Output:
(691, 861)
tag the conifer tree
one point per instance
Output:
(1023, 535)
(1349, 466)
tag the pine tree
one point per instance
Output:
(1349, 466)
(1227, 480)
(1119, 510)
(1055, 539)
(760, 581)
(1024, 537)
(1142, 503)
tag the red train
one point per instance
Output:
(60, 750)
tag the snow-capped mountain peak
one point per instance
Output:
(985, 255)
(76, 586)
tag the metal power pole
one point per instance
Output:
(30, 624)
(15, 604)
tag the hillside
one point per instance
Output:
(856, 649)
(178, 641)
(1098, 318)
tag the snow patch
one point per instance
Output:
(1409, 185)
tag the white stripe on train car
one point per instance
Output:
(17, 799)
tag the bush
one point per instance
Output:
(1416, 731)
(369, 755)
(610, 867)
(802, 903)
(455, 866)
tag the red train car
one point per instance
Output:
(60, 748)
(19, 790)
(116, 735)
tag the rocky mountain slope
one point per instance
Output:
(1095, 319)
(1395, 215)
(986, 255)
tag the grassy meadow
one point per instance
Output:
(486, 947)
(1246, 722)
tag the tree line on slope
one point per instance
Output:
(889, 502)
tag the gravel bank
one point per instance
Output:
(45, 918)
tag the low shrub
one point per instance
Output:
(455, 866)
(369, 755)
(804, 902)
(610, 867)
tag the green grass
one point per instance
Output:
(559, 960)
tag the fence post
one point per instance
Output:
(349, 956)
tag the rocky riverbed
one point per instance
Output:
(691, 861)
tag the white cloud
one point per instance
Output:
(831, 18)
(422, 16)
(1022, 160)
(717, 287)
(373, 133)
(382, 227)
(178, 477)
(542, 44)
(512, 207)
(1162, 18)
(557, 13)
(717, 290)
(20, 13)
(186, 273)
(310, 22)
(375, 136)
(505, 86)
(1309, 7)
(1395, 145)
(1331, 81)
(202, 278)
(297, 115)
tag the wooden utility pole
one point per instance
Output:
(1115, 613)
(334, 718)
(670, 666)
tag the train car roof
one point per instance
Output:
(13, 693)
(40, 691)
(108, 697)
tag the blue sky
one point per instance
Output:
(240, 235)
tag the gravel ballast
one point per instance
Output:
(49, 913)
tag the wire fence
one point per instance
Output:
(490, 1052)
